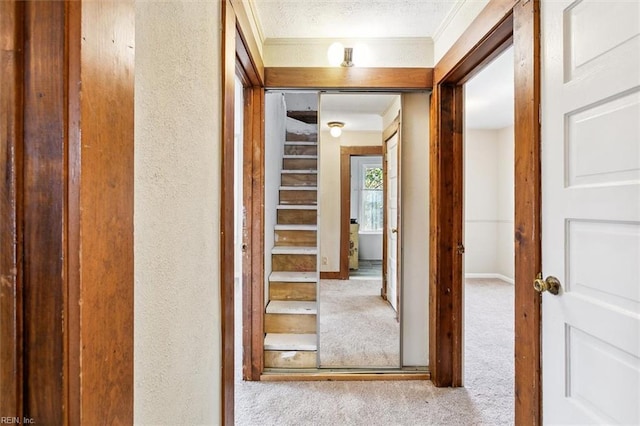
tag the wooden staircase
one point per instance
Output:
(290, 316)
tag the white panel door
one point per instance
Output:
(591, 211)
(392, 184)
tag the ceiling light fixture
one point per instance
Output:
(340, 55)
(335, 128)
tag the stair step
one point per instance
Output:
(279, 290)
(294, 250)
(297, 207)
(290, 342)
(290, 323)
(294, 277)
(294, 262)
(291, 307)
(307, 137)
(300, 157)
(301, 143)
(298, 172)
(290, 359)
(296, 163)
(298, 188)
(288, 227)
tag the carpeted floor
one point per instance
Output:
(357, 327)
(487, 398)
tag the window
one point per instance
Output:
(371, 200)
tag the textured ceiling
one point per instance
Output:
(350, 18)
(358, 111)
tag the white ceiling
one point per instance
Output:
(350, 18)
(358, 111)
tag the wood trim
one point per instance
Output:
(331, 275)
(342, 377)
(349, 78)
(392, 129)
(11, 125)
(484, 39)
(43, 209)
(247, 48)
(101, 175)
(479, 40)
(528, 248)
(253, 287)
(346, 152)
(227, 213)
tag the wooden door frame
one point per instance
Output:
(500, 24)
(387, 134)
(241, 56)
(69, 205)
(346, 152)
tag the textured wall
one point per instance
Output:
(177, 180)
(412, 52)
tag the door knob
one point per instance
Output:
(394, 231)
(550, 284)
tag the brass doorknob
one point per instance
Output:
(394, 230)
(551, 284)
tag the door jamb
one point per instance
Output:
(346, 152)
(501, 23)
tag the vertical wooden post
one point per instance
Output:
(526, 41)
(11, 280)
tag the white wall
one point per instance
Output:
(456, 23)
(489, 203)
(506, 203)
(176, 220)
(274, 133)
(312, 52)
(329, 175)
(415, 228)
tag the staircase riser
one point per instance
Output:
(311, 137)
(298, 197)
(295, 238)
(290, 323)
(300, 164)
(302, 179)
(297, 217)
(300, 150)
(293, 262)
(290, 359)
(292, 291)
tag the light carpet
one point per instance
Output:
(487, 398)
(357, 327)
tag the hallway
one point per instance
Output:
(487, 399)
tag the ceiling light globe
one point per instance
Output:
(335, 131)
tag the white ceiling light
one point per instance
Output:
(335, 128)
(340, 55)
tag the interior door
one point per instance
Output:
(591, 211)
(392, 204)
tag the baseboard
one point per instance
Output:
(330, 275)
(491, 276)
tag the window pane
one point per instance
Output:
(371, 210)
(373, 178)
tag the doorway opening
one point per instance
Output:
(488, 278)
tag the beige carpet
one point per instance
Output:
(357, 327)
(487, 398)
